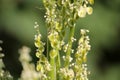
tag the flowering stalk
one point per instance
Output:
(43, 65)
(80, 68)
(62, 15)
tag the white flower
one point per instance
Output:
(89, 10)
(82, 11)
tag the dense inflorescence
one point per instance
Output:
(61, 15)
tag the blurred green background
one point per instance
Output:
(17, 19)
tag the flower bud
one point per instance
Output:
(82, 12)
(91, 2)
(89, 10)
(53, 53)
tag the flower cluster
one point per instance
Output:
(77, 70)
(67, 74)
(43, 66)
(80, 67)
(62, 15)
(83, 46)
(85, 9)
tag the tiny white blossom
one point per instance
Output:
(89, 10)
(82, 12)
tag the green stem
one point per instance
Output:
(68, 54)
(58, 61)
(53, 71)
(58, 65)
(47, 46)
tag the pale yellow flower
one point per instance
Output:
(82, 12)
(89, 10)
(91, 1)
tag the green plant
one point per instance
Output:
(62, 15)
(61, 61)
